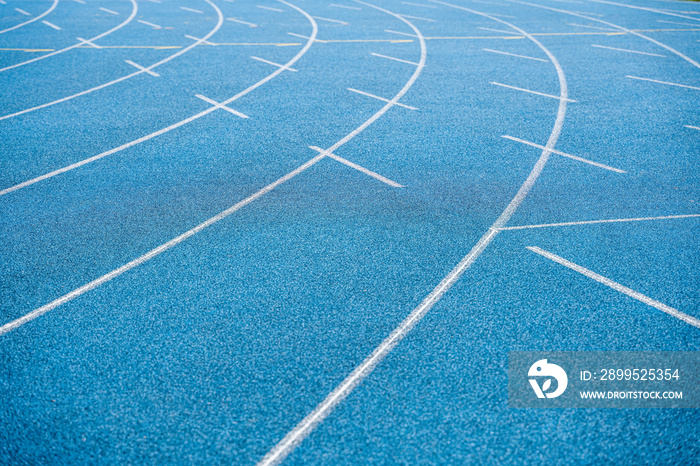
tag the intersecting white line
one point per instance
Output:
(151, 72)
(593, 222)
(357, 167)
(618, 287)
(381, 98)
(88, 42)
(201, 41)
(221, 106)
(273, 64)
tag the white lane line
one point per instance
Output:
(618, 287)
(345, 6)
(564, 154)
(645, 9)
(153, 252)
(154, 1)
(675, 22)
(357, 167)
(273, 64)
(109, 11)
(627, 50)
(529, 91)
(306, 37)
(693, 127)
(395, 59)
(381, 98)
(269, 8)
(663, 82)
(167, 129)
(515, 55)
(146, 70)
(79, 1)
(134, 9)
(155, 26)
(235, 20)
(51, 25)
(400, 33)
(221, 106)
(3, 2)
(619, 28)
(593, 222)
(419, 4)
(191, 10)
(86, 42)
(499, 31)
(23, 12)
(591, 27)
(500, 16)
(200, 41)
(331, 20)
(419, 18)
(17, 26)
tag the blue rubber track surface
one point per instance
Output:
(123, 341)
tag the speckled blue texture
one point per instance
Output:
(212, 351)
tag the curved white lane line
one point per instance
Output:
(51, 8)
(629, 31)
(179, 239)
(290, 441)
(645, 9)
(309, 423)
(129, 76)
(134, 9)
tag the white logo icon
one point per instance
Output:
(543, 369)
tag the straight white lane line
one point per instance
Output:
(593, 222)
(306, 37)
(200, 41)
(180, 123)
(192, 10)
(645, 9)
(515, 55)
(591, 27)
(88, 42)
(419, 4)
(627, 50)
(380, 98)
(151, 72)
(23, 12)
(51, 25)
(501, 31)
(273, 64)
(17, 26)
(674, 22)
(345, 6)
(269, 9)
(663, 82)
(618, 287)
(529, 91)
(155, 26)
(693, 127)
(235, 20)
(564, 154)
(79, 1)
(290, 441)
(357, 167)
(419, 18)
(395, 59)
(400, 33)
(134, 9)
(331, 20)
(109, 11)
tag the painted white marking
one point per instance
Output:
(3, 2)
(500, 16)
(246, 91)
(345, 6)
(693, 127)
(88, 42)
(529, 91)
(191, 10)
(564, 154)
(381, 98)
(154, 1)
(306, 37)
(515, 55)
(419, 18)
(591, 27)
(357, 167)
(51, 25)
(567, 1)
(221, 106)
(200, 41)
(79, 1)
(17, 26)
(419, 4)
(510, 33)
(235, 20)
(618, 287)
(273, 63)
(155, 26)
(23, 12)
(146, 70)
(395, 59)
(269, 9)
(663, 82)
(331, 20)
(646, 9)
(400, 33)
(109, 11)
(674, 22)
(592, 222)
(627, 50)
